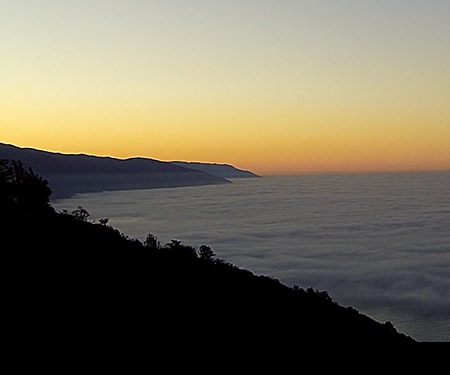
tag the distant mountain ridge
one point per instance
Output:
(70, 174)
(219, 170)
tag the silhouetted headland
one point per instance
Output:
(71, 174)
(219, 170)
(72, 282)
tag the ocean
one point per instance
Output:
(377, 242)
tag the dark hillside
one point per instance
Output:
(65, 280)
(71, 174)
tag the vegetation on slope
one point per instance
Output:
(70, 281)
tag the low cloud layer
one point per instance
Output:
(380, 243)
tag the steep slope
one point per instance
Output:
(72, 283)
(70, 174)
(67, 281)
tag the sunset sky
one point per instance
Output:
(275, 86)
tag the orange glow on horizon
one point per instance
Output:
(276, 87)
(268, 141)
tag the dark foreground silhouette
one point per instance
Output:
(67, 281)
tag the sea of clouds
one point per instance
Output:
(380, 243)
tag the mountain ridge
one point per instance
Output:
(71, 174)
(217, 169)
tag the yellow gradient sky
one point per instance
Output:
(275, 86)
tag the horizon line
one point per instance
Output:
(262, 174)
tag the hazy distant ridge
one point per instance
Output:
(71, 174)
(219, 170)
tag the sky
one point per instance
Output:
(275, 86)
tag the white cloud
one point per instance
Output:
(385, 250)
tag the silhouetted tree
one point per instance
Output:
(81, 214)
(322, 295)
(5, 182)
(23, 187)
(151, 242)
(4, 172)
(180, 250)
(104, 221)
(206, 253)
